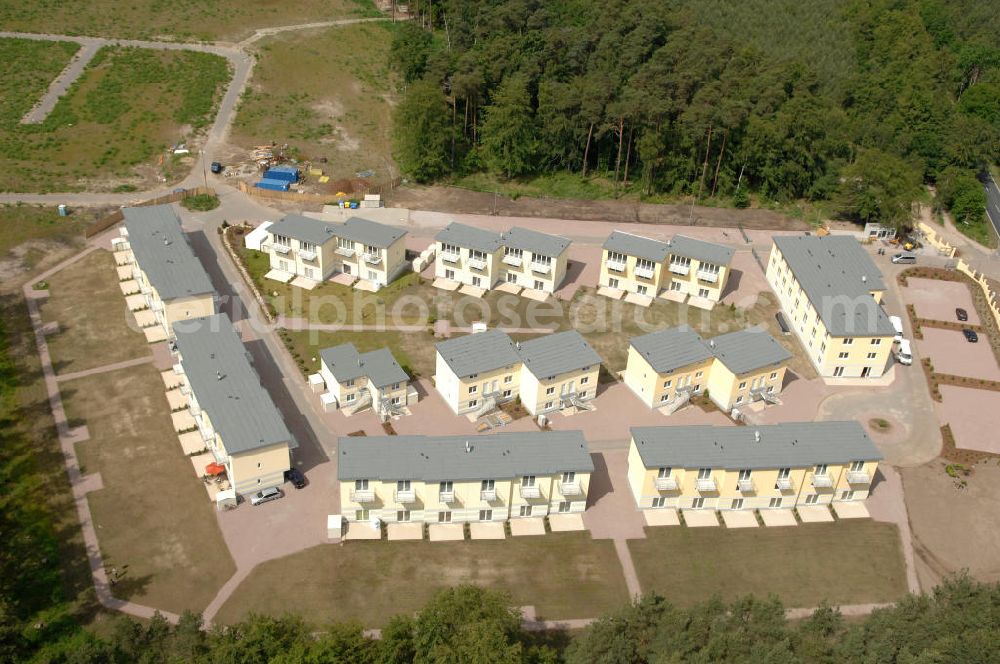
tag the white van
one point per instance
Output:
(897, 324)
(903, 355)
(905, 257)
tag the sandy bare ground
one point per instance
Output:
(463, 201)
(954, 528)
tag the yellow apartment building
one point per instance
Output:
(477, 372)
(778, 466)
(237, 419)
(169, 276)
(311, 249)
(358, 381)
(831, 291)
(520, 257)
(679, 268)
(665, 369)
(449, 479)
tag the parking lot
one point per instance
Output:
(950, 353)
(937, 300)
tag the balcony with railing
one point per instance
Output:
(531, 491)
(745, 486)
(513, 260)
(616, 265)
(784, 484)
(307, 254)
(446, 497)
(644, 272)
(705, 275)
(280, 248)
(477, 263)
(404, 496)
(373, 258)
(489, 495)
(679, 268)
(569, 489)
(668, 483)
(858, 477)
(822, 480)
(363, 496)
(541, 268)
(346, 252)
(705, 484)
(450, 256)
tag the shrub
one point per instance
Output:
(202, 203)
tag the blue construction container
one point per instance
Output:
(273, 185)
(285, 173)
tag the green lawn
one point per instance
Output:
(95, 327)
(153, 516)
(23, 223)
(413, 350)
(346, 121)
(564, 575)
(845, 562)
(29, 67)
(191, 20)
(112, 127)
(981, 231)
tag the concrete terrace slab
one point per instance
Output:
(145, 318)
(778, 518)
(343, 279)
(171, 379)
(362, 530)
(307, 284)
(701, 303)
(815, 513)
(446, 285)
(191, 442)
(154, 334)
(177, 400)
(125, 272)
(472, 291)
(366, 286)
(739, 518)
(700, 518)
(279, 275)
(183, 421)
(136, 302)
(199, 461)
(853, 509)
(505, 287)
(536, 295)
(962, 409)
(937, 300)
(638, 300)
(445, 532)
(487, 530)
(564, 523)
(672, 296)
(129, 287)
(950, 353)
(123, 257)
(612, 293)
(661, 517)
(527, 526)
(396, 532)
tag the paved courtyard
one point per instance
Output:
(937, 300)
(963, 408)
(950, 353)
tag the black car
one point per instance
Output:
(970, 335)
(962, 315)
(216, 167)
(295, 476)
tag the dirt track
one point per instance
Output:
(463, 201)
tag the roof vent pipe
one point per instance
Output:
(756, 436)
(468, 447)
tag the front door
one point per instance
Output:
(866, 371)
(347, 268)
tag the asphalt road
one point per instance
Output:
(992, 200)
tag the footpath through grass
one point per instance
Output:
(113, 124)
(845, 562)
(563, 575)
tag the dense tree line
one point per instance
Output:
(854, 101)
(957, 623)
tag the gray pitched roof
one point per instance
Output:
(700, 250)
(345, 363)
(747, 350)
(559, 353)
(787, 445)
(672, 348)
(535, 242)
(636, 245)
(318, 232)
(226, 386)
(476, 353)
(441, 458)
(837, 275)
(162, 250)
(469, 237)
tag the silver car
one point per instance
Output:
(265, 496)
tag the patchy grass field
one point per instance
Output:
(845, 562)
(29, 67)
(153, 516)
(113, 123)
(413, 350)
(328, 94)
(564, 575)
(190, 20)
(94, 323)
(36, 237)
